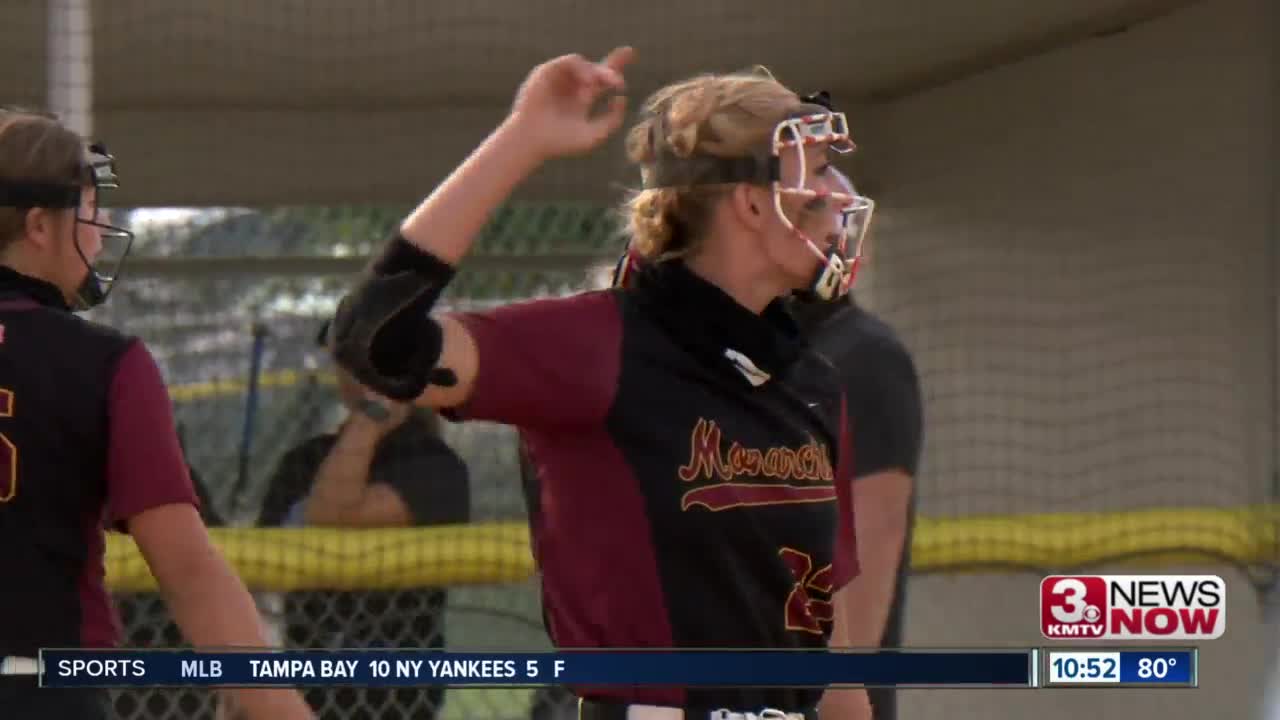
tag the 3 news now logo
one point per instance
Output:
(1133, 607)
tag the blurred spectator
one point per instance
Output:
(386, 466)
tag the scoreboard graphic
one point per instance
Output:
(1008, 668)
(1164, 667)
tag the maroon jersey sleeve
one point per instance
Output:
(145, 465)
(544, 363)
(845, 564)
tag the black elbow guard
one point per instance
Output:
(383, 332)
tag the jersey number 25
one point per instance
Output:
(809, 604)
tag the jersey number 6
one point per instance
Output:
(8, 452)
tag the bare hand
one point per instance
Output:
(553, 108)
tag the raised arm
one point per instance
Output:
(384, 332)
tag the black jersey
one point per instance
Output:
(687, 452)
(86, 438)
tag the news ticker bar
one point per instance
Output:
(1010, 668)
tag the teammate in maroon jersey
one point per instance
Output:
(687, 446)
(87, 438)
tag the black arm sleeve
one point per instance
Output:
(383, 332)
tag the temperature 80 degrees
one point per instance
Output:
(1155, 668)
(1158, 667)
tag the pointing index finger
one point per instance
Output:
(616, 61)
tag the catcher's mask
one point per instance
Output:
(813, 122)
(97, 170)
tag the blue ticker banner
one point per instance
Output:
(407, 668)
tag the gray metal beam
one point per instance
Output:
(1023, 48)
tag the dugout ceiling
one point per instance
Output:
(261, 102)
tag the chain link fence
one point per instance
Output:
(205, 285)
(200, 288)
